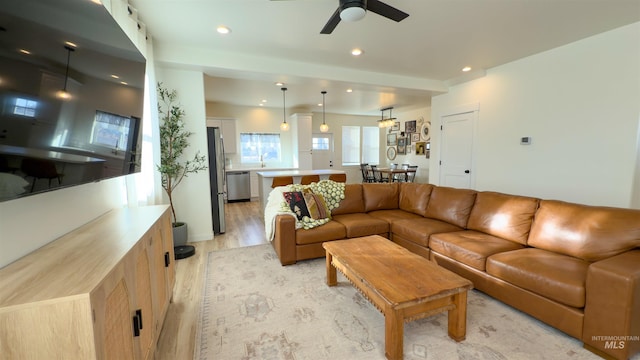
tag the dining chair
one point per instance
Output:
(411, 174)
(377, 175)
(281, 181)
(367, 176)
(308, 179)
(40, 169)
(338, 177)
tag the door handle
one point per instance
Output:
(467, 171)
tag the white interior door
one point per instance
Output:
(322, 153)
(456, 155)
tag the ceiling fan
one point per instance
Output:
(354, 10)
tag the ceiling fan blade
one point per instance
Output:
(385, 10)
(332, 23)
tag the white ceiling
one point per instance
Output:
(403, 63)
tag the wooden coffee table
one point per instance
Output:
(402, 285)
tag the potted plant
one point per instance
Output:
(174, 139)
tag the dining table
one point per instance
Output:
(404, 173)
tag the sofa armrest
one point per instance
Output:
(284, 240)
(612, 310)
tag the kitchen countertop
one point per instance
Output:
(256, 169)
(272, 174)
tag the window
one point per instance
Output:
(110, 130)
(257, 147)
(360, 144)
(25, 107)
(320, 142)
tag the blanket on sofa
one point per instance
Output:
(327, 195)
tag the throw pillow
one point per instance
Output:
(297, 203)
(316, 206)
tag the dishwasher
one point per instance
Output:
(238, 186)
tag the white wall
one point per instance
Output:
(580, 103)
(411, 158)
(192, 198)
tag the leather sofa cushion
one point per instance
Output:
(469, 247)
(414, 197)
(419, 230)
(361, 224)
(353, 201)
(451, 205)
(505, 216)
(590, 233)
(332, 230)
(380, 196)
(555, 276)
(394, 215)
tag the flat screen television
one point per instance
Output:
(71, 96)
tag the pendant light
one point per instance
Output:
(388, 122)
(284, 126)
(64, 94)
(324, 127)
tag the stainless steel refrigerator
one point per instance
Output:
(217, 178)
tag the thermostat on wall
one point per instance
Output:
(525, 140)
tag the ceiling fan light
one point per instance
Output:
(353, 13)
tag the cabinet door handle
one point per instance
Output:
(136, 326)
(167, 259)
(139, 316)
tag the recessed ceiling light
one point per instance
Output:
(261, 104)
(25, 51)
(264, 100)
(223, 29)
(115, 76)
(279, 84)
(97, 2)
(349, 90)
(320, 104)
(466, 68)
(69, 43)
(124, 83)
(356, 52)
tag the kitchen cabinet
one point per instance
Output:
(302, 141)
(254, 184)
(228, 131)
(99, 292)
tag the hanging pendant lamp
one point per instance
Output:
(284, 126)
(324, 127)
(64, 94)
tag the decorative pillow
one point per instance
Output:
(316, 206)
(297, 204)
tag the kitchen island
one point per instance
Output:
(265, 179)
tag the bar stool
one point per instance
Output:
(308, 179)
(338, 177)
(281, 181)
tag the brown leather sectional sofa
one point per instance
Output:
(574, 267)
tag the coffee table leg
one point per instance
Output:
(393, 333)
(332, 277)
(458, 317)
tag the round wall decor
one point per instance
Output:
(391, 152)
(425, 132)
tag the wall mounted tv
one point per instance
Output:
(71, 96)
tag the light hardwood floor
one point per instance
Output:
(244, 227)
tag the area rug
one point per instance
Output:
(254, 308)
